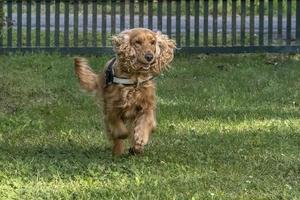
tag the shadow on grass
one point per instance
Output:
(270, 152)
(183, 111)
(245, 150)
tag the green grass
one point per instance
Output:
(228, 129)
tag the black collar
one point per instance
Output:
(109, 73)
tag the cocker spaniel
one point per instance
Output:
(126, 85)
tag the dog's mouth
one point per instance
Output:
(145, 65)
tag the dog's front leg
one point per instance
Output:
(143, 127)
(117, 131)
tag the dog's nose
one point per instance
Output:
(148, 57)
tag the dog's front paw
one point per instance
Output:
(139, 144)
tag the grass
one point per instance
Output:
(228, 129)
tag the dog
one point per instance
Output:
(126, 86)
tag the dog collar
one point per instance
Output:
(110, 77)
(125, 81)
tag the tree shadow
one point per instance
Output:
(241, 149)
(183, 111)
(188, 149)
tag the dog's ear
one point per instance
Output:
(122, 46)
(164, 50)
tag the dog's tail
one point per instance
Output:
(88, 79)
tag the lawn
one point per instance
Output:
(228, 128)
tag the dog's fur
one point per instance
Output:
(129, 110)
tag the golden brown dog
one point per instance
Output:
(126, 85)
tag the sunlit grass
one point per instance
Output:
(228, 128)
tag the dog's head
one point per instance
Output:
(141, 50)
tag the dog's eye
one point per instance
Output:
(153, 42)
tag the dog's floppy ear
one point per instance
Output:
(164, 50)
(122, 46)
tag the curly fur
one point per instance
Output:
(130, 110)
